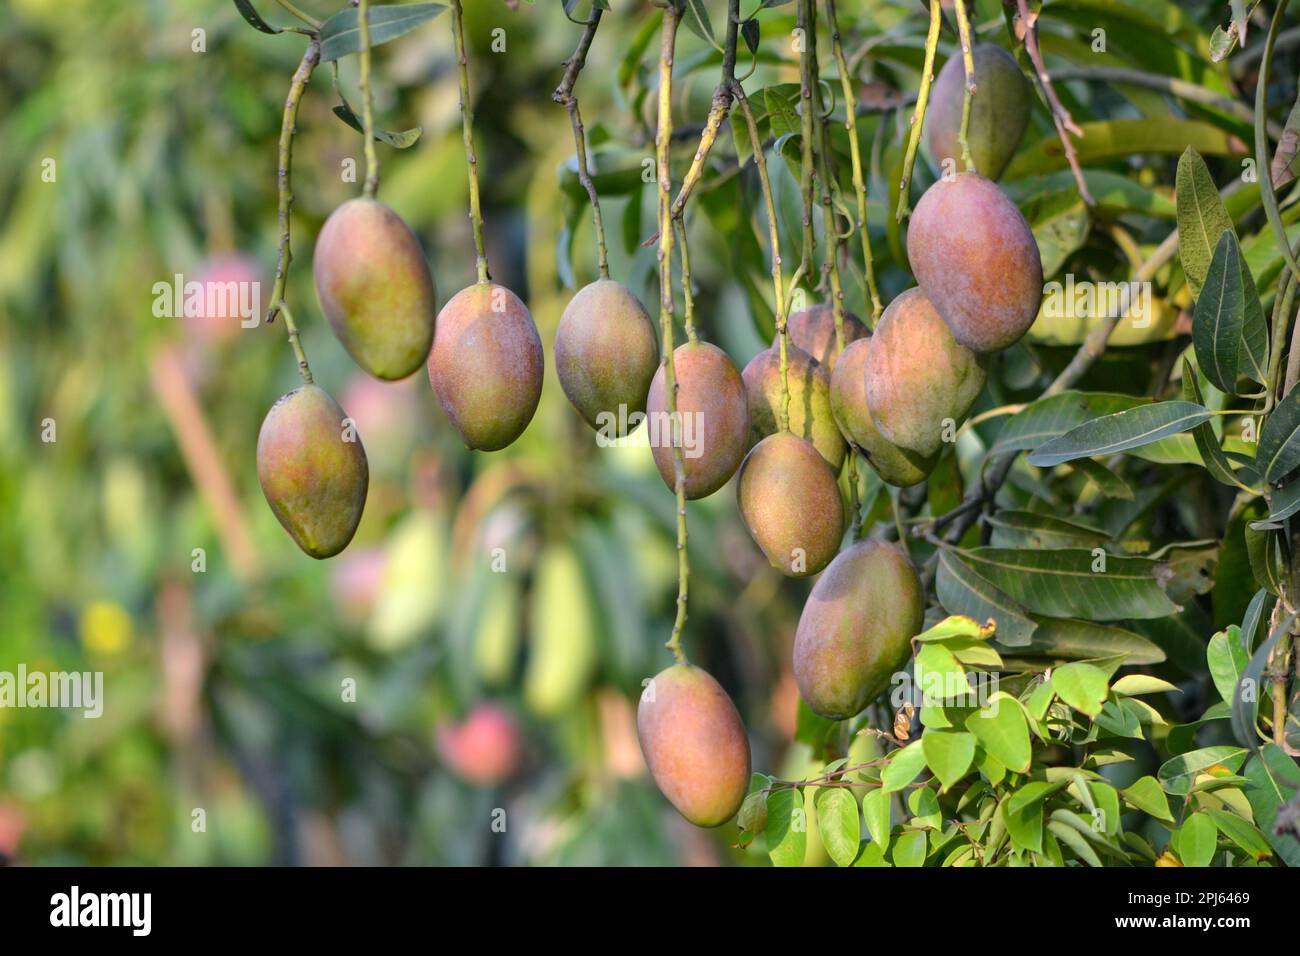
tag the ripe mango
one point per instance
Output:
(606, 353)
(977, 261)
(313, 470)
(694, 744)
(918, 378)
(810, 400)
(813, 330)
(999, 111)
(897, 466)
(374, 286)
(791, 503)
(856, 628)
(487, 365)
(714, 415)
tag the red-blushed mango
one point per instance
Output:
(813, 330)
(977, 261)
(487, 365)
(694, 744)
(919, 380)
(999, 110)
(714, 415)
(374, 286)
(606, 353)
(897, 466)
(791, 503)
(810, 400)
(313, 470)
(856, 628)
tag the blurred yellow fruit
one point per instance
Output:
(105, 628)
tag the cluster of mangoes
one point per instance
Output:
(373, 283)
(895, 395)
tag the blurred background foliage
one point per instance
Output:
(228, 688)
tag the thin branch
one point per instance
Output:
(367, 103)
(918, 117)
(1065, 124)
(467, 132)
(565, 96)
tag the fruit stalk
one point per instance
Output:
(855, 155)
(718, 111)
(467, 129)
(367, 103)
(968, 63)
(284, 204)
(663, 175)
(831, 264)
(806, 25)
(778, 292)
(687, 293)
(565, 96)
(918, 117)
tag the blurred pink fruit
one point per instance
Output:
(483, 749)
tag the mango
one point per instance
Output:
(895, 465)
(999, 111)
(856, 628)
(485, 748)
(562, 653)
(486, 366)
(790, 501)
(606, 353)
(374, 286)
(313, 470)
(810, 400)
(920, 382)
(694, 744)
(976, 259)
(714, 415)
(813, 330)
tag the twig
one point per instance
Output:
(807, 118)
(367, 103)
(565, 96)
(1065, 123)
(918, 117)
(664, 176)
(467, 131)
(969, 89)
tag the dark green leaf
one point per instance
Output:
(402, 140)
(1202, 218)
(749, 31)
(340, 35)
(1274, 779)
(1178, 774)
(1207, 443)
(1219, 314)
(697, 19)
(1121, 431)
(1250, 688)
(962, 590)
(254, 19)
(1278, 453)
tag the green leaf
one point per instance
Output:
(948, 755)
(787, 827)
(1042, 420)
(1202, 219)
(1207, 443)
(909, 849)
(876, 806)
(1064, 639)
(962, 590)
(1075, 841)
(1274, 779)
(1278, 453)
(957, 627)
(1135, 685)
(1063, 583)
(340, 35)
(1108, 483)
(1121, 431)
(1250, 688)
(1255, 348)
(903, 767)
(1242, 833)
(1227, 658)
(697, 19)
(782, 102)
(837, 822)
(1146, 795)
(1029, 529)
(1196, 840)
(1283, 503)
(1024, 825)
(1082, 686)
(1036, 791)
(1177, 774)
(1001, 728)
(1219, 314)
(402, 140)
(254, 19)
(1106, 140)
(749, 31)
